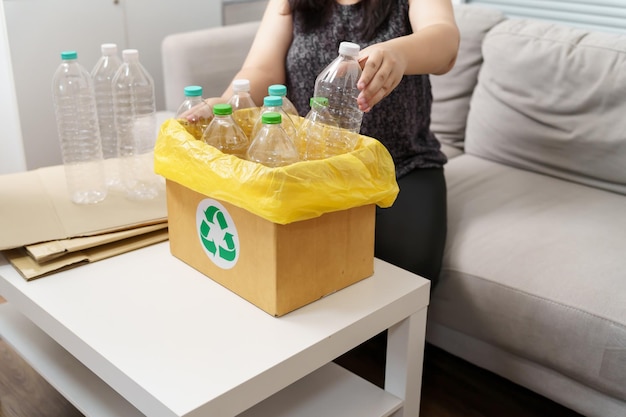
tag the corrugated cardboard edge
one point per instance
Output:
(46, 251)
(30, 269)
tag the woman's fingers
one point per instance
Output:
(382, 72)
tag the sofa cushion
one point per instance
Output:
(452, 91)
(450, 151)
(551, 99)
(535, 266)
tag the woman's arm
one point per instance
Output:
(430, 49)
(265, 63)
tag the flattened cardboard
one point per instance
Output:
(30, 269)
(46, 251)
(35, 207)
(280, 267)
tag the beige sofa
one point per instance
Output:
(534, 280)
(533, 118)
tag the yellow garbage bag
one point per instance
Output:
(299, 191)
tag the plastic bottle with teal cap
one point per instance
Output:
(79, 135)
(281, 91)
(194, 121)
(275, 104)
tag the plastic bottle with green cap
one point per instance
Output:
(195, 121)
(79, 135)
(281, 91)
(224, 133)
(271, 146)
(319, 133)
(274, 104)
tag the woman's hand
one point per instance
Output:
(430, 49)
(383, 69)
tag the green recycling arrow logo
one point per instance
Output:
(217, 233)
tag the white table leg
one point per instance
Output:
(405, 360)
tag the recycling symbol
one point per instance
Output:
(217, 233)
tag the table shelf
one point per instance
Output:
(81, 387)
(330, 390)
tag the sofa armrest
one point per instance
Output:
(209, 58)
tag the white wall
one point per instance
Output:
(11, 149)
(38, 30)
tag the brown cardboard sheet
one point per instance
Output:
(35, 207)
(46, 251)
(31, 269)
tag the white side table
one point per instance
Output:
(143, 333)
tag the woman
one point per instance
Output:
(401, 42)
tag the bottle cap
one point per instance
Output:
(349, 48)
(277, 90)
(108, 48)
(69, 55)
(271, 118)
(322, 101)
(129, 54)
(193, 91)
(273, 101)
(241, 85)
(222, 109)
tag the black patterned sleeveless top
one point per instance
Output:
(401, 121)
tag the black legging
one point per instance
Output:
(412, 233)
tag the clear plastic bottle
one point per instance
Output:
(197, 121)
(135, 120)
(337, 82)
(245, 110)
(281, 90)
(271, 146)
(224, 133)
(275, 104)
(319, 134)
(102, 75)
(79, 135)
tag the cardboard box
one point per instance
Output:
(278, 268)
